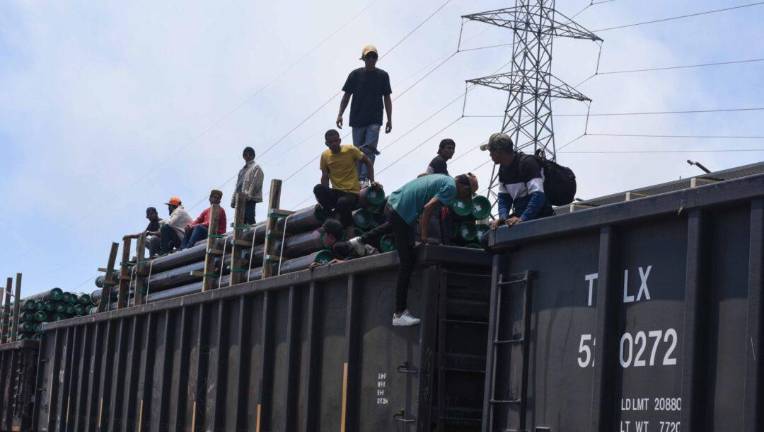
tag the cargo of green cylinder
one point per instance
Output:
(462, 208)
(481, 207)
(85, 300)
(466, 232)
(363, 219)
(323, 257)
(55, 294)
(372, 197)
(482, 230)
(70, 298)
(387, 243)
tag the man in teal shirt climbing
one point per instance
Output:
(419, 197)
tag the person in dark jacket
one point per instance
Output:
(152, 232)
(446, 150)
(521, 183)
(370, 90)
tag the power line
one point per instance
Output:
(441, 63)
(278, 76)
(417, 27)
(624, 135)
(150, 172)
(662, 68)
(416, 147)
(673, 18)
(734, 150)
(441, 109)
(591, 3)
(638, 113)
(451, 102)
(325, 103)
(485, 47)
(432, 69)
(396, 45)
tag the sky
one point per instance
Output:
(109, 107)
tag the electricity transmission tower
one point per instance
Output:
(530, 83)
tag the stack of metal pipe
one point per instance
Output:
(179, 273)
(302, 243)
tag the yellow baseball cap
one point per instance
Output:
(368, 49)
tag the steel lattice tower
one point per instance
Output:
(530, 83)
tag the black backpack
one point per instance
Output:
(559, 182)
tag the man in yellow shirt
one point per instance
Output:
(339, 164)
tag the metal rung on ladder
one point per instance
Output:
(512, 282)
(518, 340)
(466, 322)
(509, 341)
(507, 401)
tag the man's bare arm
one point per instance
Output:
(389, 110)
(343, 105)
(424, 221)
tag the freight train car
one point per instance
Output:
(312, 350)
(632, 316)
(18, 367)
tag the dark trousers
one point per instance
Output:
(198, 233)
(153, 244)
(403, 234)
(249, 213)
(337, 201)
(169, 239)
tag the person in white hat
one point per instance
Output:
(370, 90)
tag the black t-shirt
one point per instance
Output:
(438, 166)
(153, 226)
(367, 88)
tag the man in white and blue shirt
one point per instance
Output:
(521, 183)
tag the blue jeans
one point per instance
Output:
(366, 139)
(249, 212)
(198, 233)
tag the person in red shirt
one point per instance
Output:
(198, 229)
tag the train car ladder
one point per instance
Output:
(518, 345)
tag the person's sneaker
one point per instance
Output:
(359, 247)
(405, 319)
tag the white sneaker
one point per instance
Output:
(359, 247)
(405, 319)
